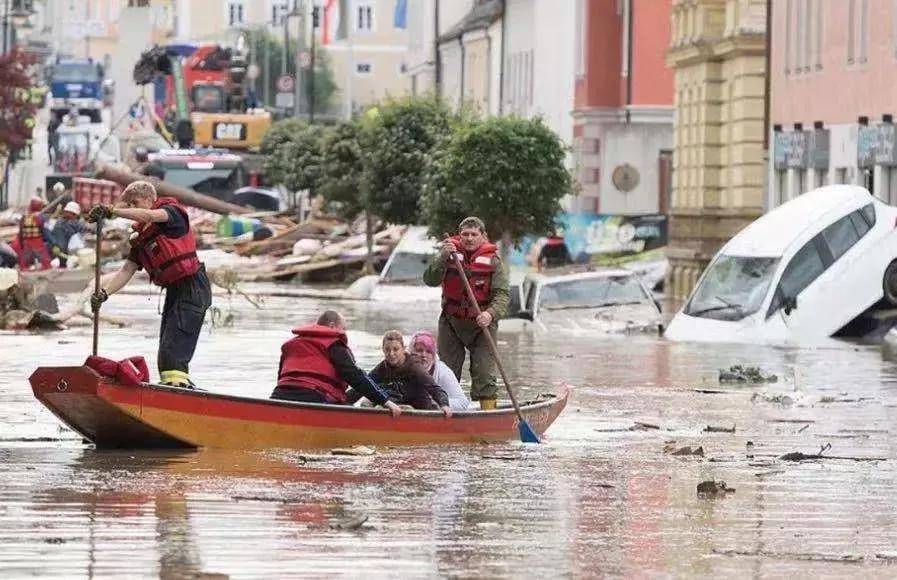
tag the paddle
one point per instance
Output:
(96, 288)
(527, 435)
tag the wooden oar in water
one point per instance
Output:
(527, 435)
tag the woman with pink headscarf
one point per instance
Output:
(423, 349)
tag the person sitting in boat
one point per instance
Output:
(404, 380)
(423, 349)
(317, 367)
(165, 246)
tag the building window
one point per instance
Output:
(789, 9)
(820, 25)
(582, 36)
(364, 17)
(364, 68)
(279, 11)
(236, 12)
(864, 30)
(851, 30)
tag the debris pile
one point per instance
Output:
(743, 374)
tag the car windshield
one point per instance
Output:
(406, 267)
(220, 183)
(732, 288)
(592, 293)
(75, 73)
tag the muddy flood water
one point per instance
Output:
(603, 496)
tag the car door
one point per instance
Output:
(832, 279)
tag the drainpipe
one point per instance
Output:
(628, 58)
(488, 71)
(767, 81)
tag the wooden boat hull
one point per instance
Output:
(112, 415)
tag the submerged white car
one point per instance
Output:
(401, 279)
(605, 301)
(799, 273)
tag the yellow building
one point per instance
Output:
(718, 54)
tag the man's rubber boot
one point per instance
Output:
(487, 404)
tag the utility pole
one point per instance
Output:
(437, 59)
(311, 83)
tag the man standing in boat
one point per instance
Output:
(317, 367)
(460, 329)
(165, 246)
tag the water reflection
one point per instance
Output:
(596, 499)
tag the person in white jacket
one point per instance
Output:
(423, 348)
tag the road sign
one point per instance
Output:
(283, 100)
(285, 84)
(305, 60)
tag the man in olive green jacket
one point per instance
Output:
(460, 328)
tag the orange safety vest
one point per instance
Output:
(479, 267)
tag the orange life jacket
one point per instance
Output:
(305, 363)
(32, 226)
(479, 268)
(166, 260)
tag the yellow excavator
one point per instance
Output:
(205, 95)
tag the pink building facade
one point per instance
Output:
(623, 107)
(833, 80)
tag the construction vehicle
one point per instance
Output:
(204, 91)
(217, 173)
(78, 147)
(77, 84)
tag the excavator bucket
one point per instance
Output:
(152, 62)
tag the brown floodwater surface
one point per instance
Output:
(600, 497)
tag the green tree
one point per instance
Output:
(506, 170)
(340, 179)
(397, 140)
(292, 153)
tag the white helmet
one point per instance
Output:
(72, 207)
(58, 187)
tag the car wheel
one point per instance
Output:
(889, 283)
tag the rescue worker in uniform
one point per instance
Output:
(554, 253)
(460, 329)
(317, 367)
(34, 239)
(68, 227)
(165, 246)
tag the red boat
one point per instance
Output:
(113, 415)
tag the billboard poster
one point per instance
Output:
(589, 235)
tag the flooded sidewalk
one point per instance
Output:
(608, 494)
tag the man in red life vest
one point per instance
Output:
(317, 367)
(165, 246)
(460, 329)
(34, 239)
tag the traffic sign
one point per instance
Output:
(285, 84)
(305, 60)
(283, 100)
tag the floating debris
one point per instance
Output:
(349, 523)
(686, 450)
(715, 429)
(743, 374)
(711, 488)
(641, 426)
(359, 450)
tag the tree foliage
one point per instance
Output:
(16, 105)
(508, 171)
(292, 153)
(340, 180)
(397, 139)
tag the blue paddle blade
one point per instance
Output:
(527, 435)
